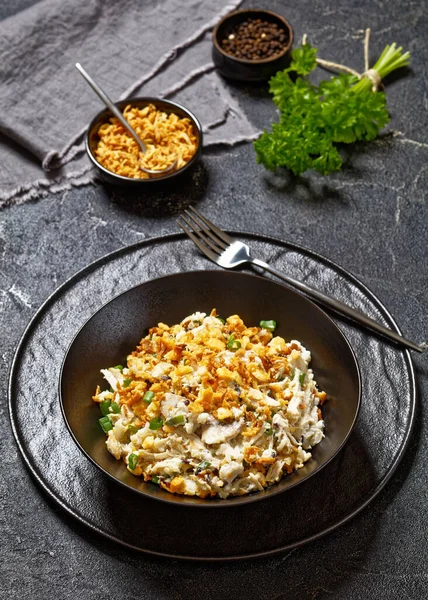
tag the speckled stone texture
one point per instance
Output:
(372, 218)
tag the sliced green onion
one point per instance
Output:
(155, 423)
(115, 408)
(148, 397)
(132, 429)
(202, 466)
(127, 382)
(280, 378)
(178, 420)
(233, 344)
(132, 461)
(269, 431)
(271, 325)
(292, 374)
(105, 423)
(302, 378)
(119, 367)
(155, 479)
(105, 407)
(222, 320)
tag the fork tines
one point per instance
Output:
(204, 233)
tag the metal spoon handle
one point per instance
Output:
(111, 106)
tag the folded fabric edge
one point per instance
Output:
(52, 162)
(189, 78)
(42, 187)
(171, 55)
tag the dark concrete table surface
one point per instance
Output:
(372, 218)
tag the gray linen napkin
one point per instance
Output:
(155, 47)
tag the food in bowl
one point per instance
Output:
(210, 407)
(255, 39)
(251, 44)
(167, 136)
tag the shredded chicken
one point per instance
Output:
(212, 408)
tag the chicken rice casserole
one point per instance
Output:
(211, 407)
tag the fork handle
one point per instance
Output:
(338, 306)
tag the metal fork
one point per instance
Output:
(229, 253)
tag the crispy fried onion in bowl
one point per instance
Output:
(212, 408)
(167, 137)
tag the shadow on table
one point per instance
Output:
(251, 89)
(163, 198)
(312, 188)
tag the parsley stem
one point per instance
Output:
(392, 58)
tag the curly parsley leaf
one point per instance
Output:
(314, 118)
(303, 59)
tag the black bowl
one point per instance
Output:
(117, 327)
(249, 70)
(167, 106)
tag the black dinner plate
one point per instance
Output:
(325, 501)
(116, 329)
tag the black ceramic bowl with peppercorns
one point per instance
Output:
(252, 45)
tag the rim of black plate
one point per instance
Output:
(168, 238)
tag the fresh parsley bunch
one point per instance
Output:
(315, 118)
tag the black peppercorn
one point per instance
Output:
(255, 39)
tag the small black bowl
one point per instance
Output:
(243, 69)
(166, 106)
(117, 327)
